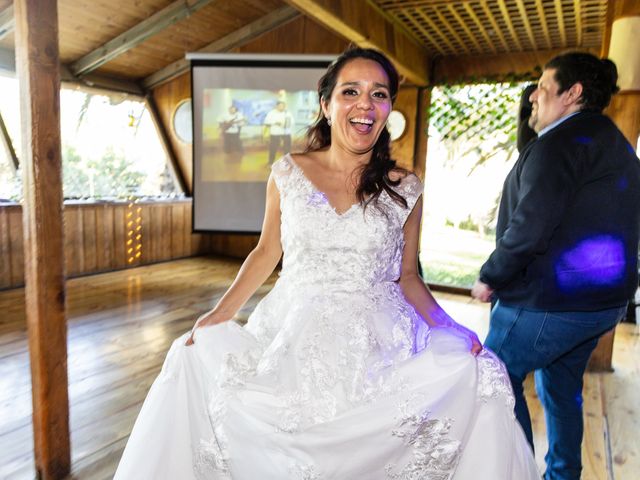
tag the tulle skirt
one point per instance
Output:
(324, 389)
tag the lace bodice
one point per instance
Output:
(356, 250)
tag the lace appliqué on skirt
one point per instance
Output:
(435, 455)
(493, 380)
(211, 459)
(298, 471)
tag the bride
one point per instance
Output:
(348, 369)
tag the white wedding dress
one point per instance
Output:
(335, 376)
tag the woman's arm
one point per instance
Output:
(255, 269)
(414, 289)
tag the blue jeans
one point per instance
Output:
(557, 346)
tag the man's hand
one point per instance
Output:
(481, 291)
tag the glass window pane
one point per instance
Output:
(111, 149)
(471, 149)
(10, 184)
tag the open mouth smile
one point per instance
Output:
(362, 124)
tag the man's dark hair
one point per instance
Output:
(598, 78)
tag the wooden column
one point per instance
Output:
(39, 80)
(624, 110)
(422, 132)
(625, 106)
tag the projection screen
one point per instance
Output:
(248, 110)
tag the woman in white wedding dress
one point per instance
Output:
(348, 369)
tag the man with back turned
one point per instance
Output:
(565, 260)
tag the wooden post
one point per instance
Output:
(422, 133)
(39, 79)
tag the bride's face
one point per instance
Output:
(359, 105)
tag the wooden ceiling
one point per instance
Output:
(477, 27)
(144, 41)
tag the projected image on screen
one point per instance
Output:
(248, 111)
(245, 131)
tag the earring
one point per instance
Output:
(329, 121)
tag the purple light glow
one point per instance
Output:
(583, 140)
(594, 262)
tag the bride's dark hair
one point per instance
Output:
(374, 177)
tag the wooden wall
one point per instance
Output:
(97, 238)
(403, 149)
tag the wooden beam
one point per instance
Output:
(577, 9)
(527, 24)
(483, 31)
(465, 27)
(507, 19)
(475, 68)
(92, 80)
(166, 144)
(361, 23)
(39, 81)
(422, 132)
(436, 44)
(443, 37)
(157, 22)
(543, 22)
(606, 35)
(101, 82)
(497, 30)
(453, 32)
(560, 20)
(7, 22)
(237, 38)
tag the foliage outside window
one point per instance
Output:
(10, 184)
(110, 147)
(472, 147)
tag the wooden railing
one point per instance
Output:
(104, 236)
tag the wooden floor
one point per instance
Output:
(122, 323)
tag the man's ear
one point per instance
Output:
(574, 94)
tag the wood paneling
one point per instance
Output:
(190, 34)
(85, 24)
(167, 98)
(11, 247)
(422, 137)
(96, 236)
(476, 68)
(302, 35)
(403, 149)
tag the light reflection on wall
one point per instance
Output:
(134, 232)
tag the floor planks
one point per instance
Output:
(122, 323)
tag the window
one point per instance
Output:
(110, 147)
(472, 147)
(10, 183)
